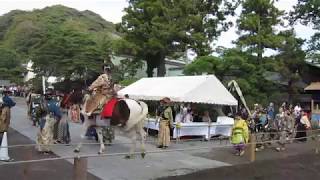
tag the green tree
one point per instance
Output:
(61, 41)
(307, 12)
(205, 65)
(291, 62)
(156, 29)
(234, 64)
(256, 27)
(10, 65)
(67, 53)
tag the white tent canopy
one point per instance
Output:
(194, 89)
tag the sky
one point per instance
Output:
(112, 10)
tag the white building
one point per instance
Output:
(30, 74)
(173, 67)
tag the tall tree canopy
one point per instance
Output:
(10, 65)
(290, 62)
(69, 53)
(256, 27)
(156, 29)
(307, 12)
(233, 64)
(62, 41)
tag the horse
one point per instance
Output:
(128, 114)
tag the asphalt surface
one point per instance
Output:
(298, 162)
(288, 166)
(300, 167)
(50, 170)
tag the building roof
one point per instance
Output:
(313, 63)
(314, 86)
(194, 89)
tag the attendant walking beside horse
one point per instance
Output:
(49, 123)
(165, 121)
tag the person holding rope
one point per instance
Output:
(166, 121)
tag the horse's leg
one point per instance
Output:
(84, 130)
(100, 138)
(133, 136)
(143, 135)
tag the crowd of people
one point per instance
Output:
(187, 114)
(18, 91)
(47, 112)
(51, 113)
(290, 122)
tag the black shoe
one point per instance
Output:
(165, 147)
(160, 146)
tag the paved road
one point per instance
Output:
(53, 170)
(199, 164)
(111, 168)
(299, 167)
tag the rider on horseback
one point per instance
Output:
(102, 91)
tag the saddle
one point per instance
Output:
(108, 108)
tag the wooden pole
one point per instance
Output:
(317, 141)
(80, 168)
(252, 148)
(26, 168)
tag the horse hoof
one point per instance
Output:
(76, 150)
(128, 157)
(100, 152)
(143, 155)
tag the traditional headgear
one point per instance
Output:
(166, 100)
(237, 115)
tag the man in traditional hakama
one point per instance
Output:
(166, 121)
(5, 112)
(50, 117)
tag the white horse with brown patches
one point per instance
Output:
(127, 113)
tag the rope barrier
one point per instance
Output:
(137, 153)
(152, 141)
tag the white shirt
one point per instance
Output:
(178, 118)
(304, 120)
(297, 110)
(189, 118)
